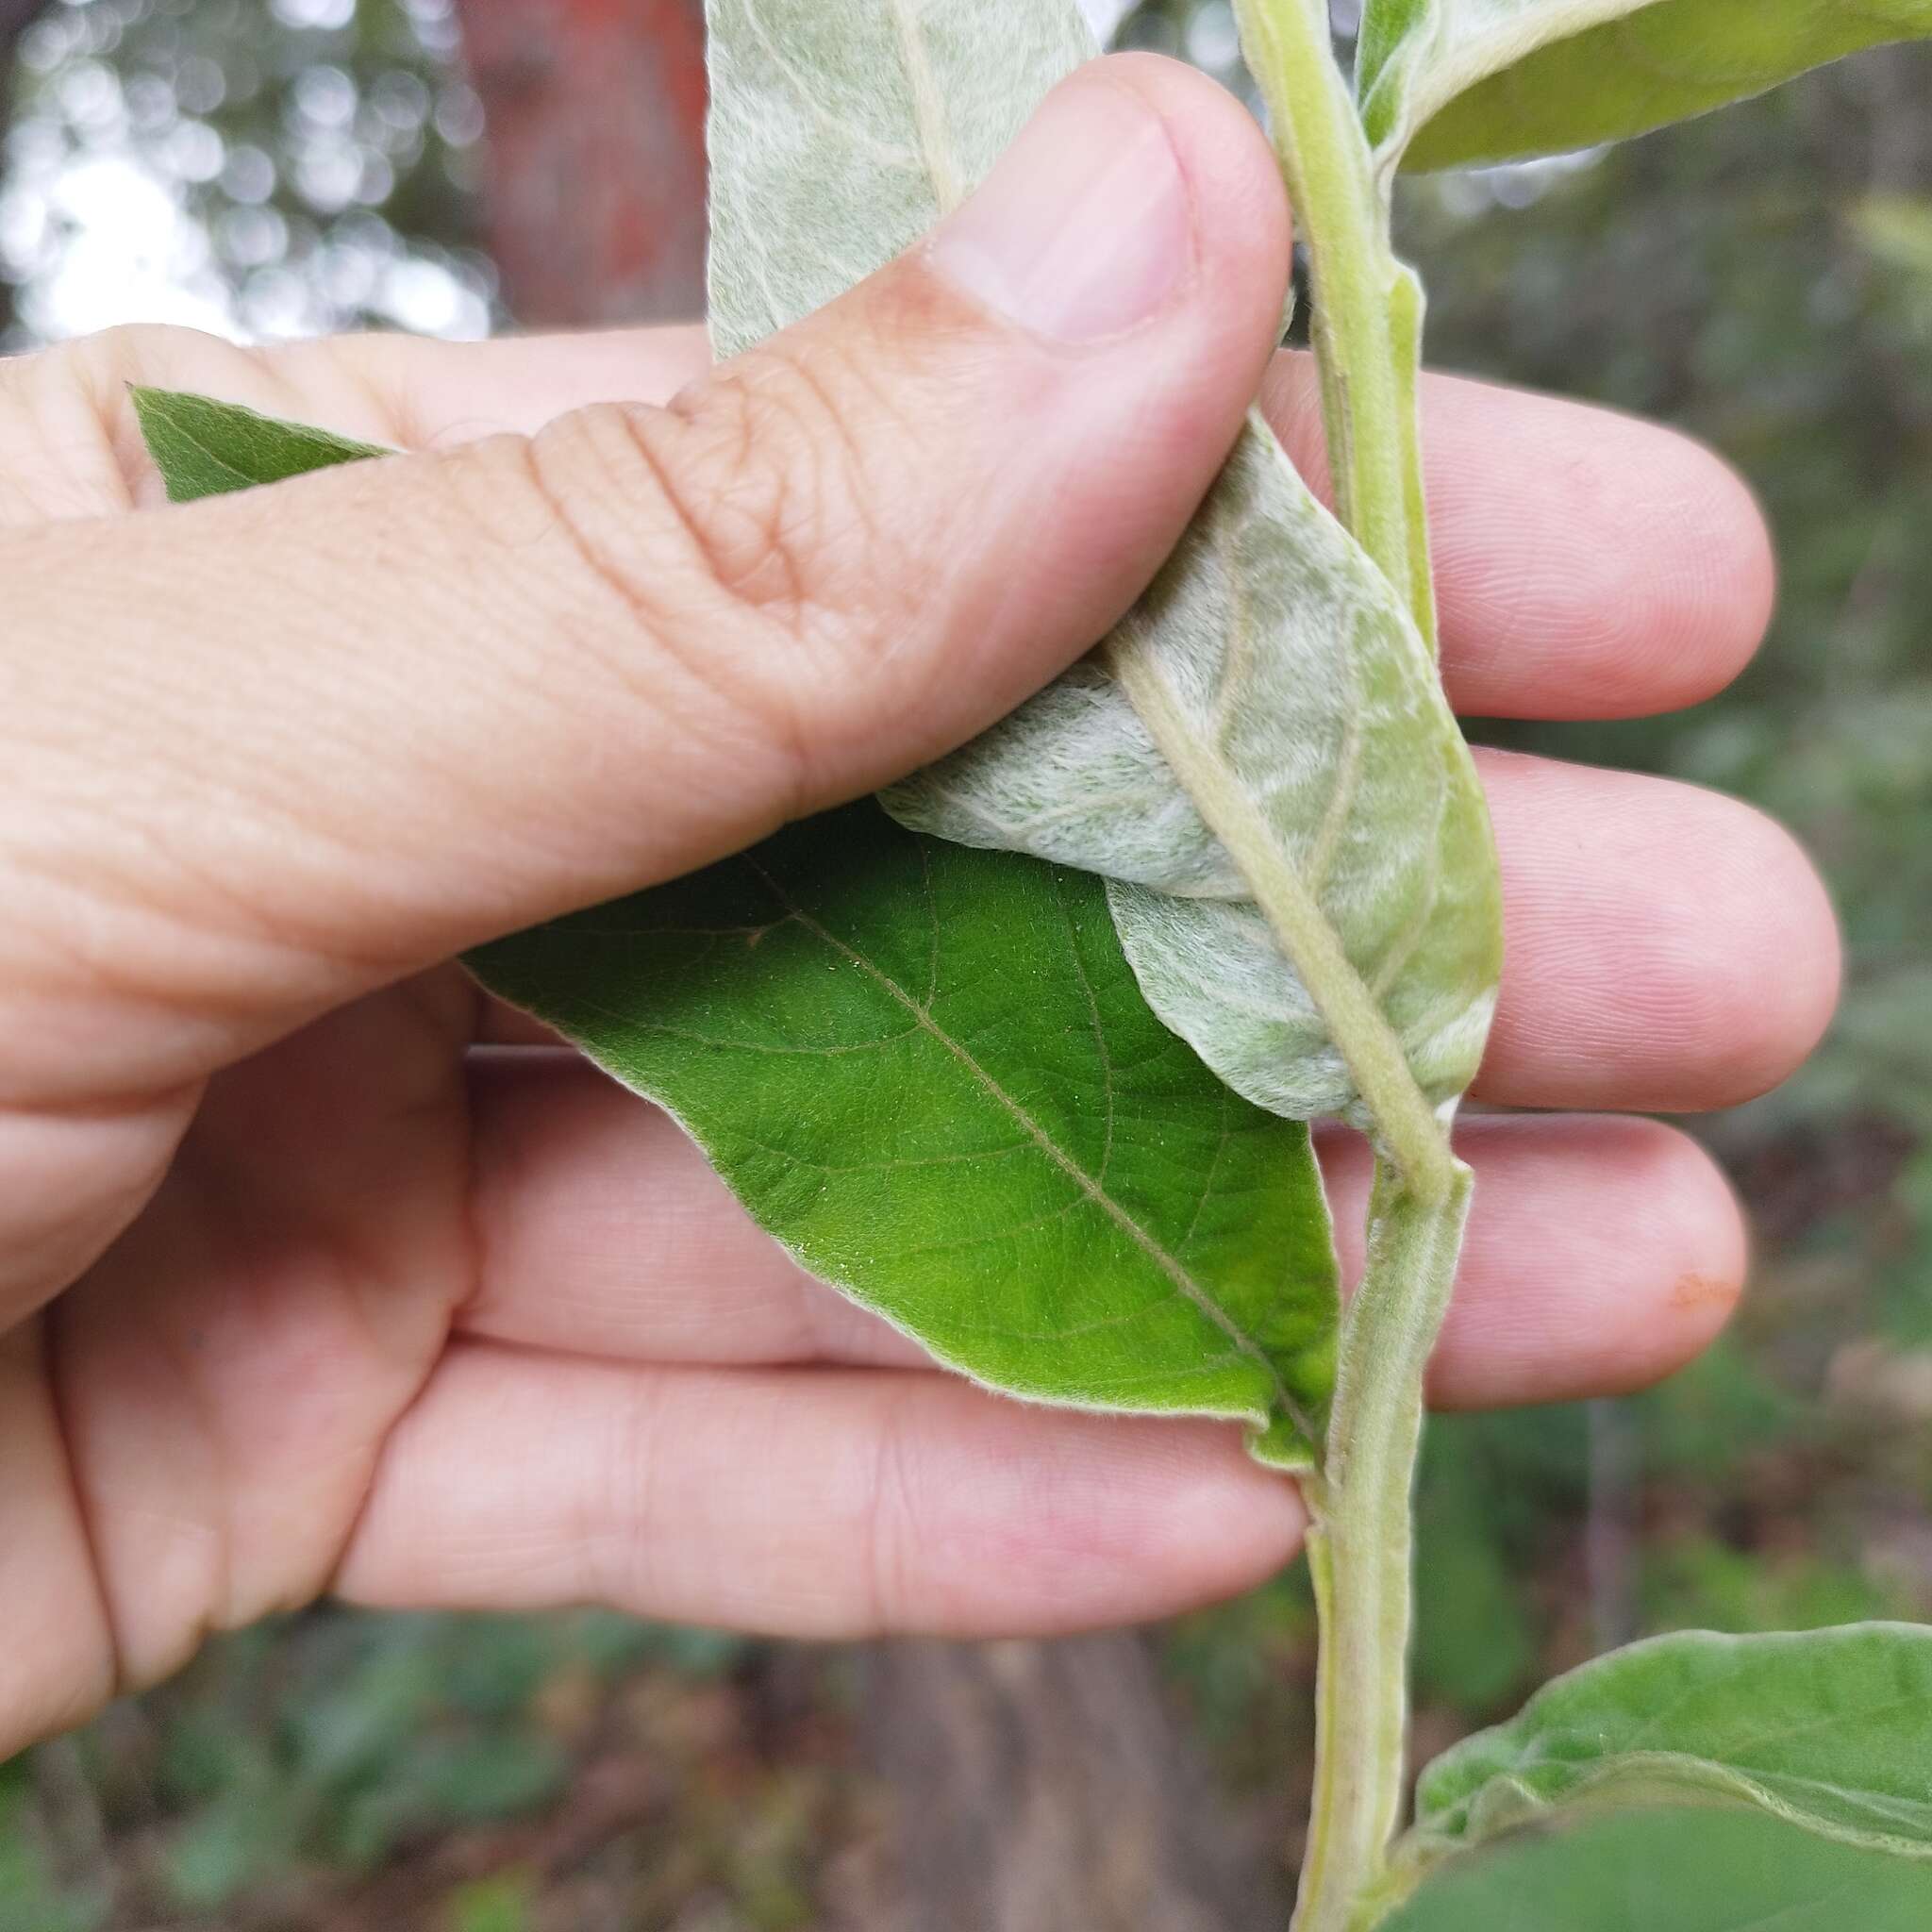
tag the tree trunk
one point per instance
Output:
(595, 119)
(1042, 1787)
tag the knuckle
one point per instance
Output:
(668, 625)
(750, 484)
(160, 354)
(742, 529)
(620, 1532)
(757, 479)
(67, 426)
(131, 351)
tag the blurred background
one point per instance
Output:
(269, 168)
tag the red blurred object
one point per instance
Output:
(596, 111)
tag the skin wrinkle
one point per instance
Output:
(142, 1651)
(683, 630)
(666, 688)
(890, 1517)
(629, 1513)
(757, 562)
(57, 1231)
(100, 944)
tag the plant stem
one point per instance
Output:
(1360, 1551)
(1368, 305)
(1368, 347)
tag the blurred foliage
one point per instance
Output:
(278, 167)
(1763, 280)
(376, 1763)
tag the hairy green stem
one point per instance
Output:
(1368, 344)
(1368, 305)
(1361, 1548)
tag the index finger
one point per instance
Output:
(1588, 564)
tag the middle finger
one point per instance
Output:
(1669, 949)
(1603, 1252)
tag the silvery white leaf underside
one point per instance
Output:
(1294, 664)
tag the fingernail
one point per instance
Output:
(1085, 228)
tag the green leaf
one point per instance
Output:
(929, 1073)
(206, 448)
(1296, 679)
(1687, 1871)
(1831, 1730)
(1102, 1224)
(1451, 83)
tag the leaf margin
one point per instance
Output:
(1295, 1449)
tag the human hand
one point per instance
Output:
(315, 1277)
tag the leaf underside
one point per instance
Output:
(929, 1073)
(839, 133)
(1453, 83)
(1675, 1871)
(1829, 1730)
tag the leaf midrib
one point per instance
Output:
(928, 108)
(1355, 1022)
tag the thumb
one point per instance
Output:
(285, 746)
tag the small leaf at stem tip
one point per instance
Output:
(203, 447)
(929, 1073)
(1455, 83)
(1829, 1730)
(1671, 1871)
